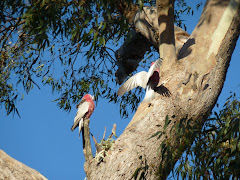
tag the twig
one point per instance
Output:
(113, 131)
(104, 133)
(96, 144)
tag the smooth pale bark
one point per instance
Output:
(165, 16)
(195, 82)
(13, 169)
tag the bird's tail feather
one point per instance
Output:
(80, 126)
(74, 126)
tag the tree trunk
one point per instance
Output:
(195, 82)
(13, 169)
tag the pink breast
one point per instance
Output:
(90, 110)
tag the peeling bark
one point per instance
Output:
(195, 82)
(13, 169)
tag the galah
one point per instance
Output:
(84, 110)
(147, 80)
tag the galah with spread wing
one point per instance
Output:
(147, 80)
(84, 110)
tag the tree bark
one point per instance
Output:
(144, 36)
(87, 149)
(195, 82)
(13, 169)
(165, 14)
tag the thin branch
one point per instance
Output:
(104, 133)
(96, 144)
(113, 131)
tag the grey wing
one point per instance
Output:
(139, 79)
(82, 110)
(154, 67)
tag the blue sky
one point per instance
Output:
(42, 138)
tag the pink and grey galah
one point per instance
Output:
(147, 80)
(84, 110)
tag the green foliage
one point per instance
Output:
(160, 133)
(215, 152)
(64, 44)
(44, 39)
(182, 7)
(141, 172)
(212, 153)
(184, 133)
(105, 146)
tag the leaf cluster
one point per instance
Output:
(141, 172)
(65, 44)
(182, 8)
(181, 131)
(215, 152)
(44, 40)
(105, 146)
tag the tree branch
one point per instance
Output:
(13, 169)
(139, 41)
(195, 84)
(113, 131)
(96, 144)
(130, 54)
(87, 149)
(165, 14)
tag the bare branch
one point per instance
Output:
(104, 133)
(87, 149)
(113, 131)
(96, 144)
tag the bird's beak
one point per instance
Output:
(93, 97)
